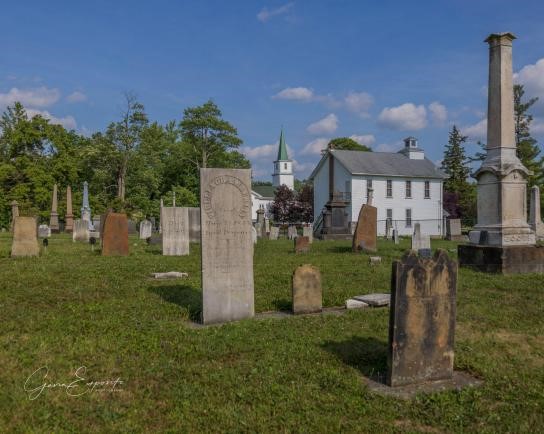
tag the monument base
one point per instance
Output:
(503, 260)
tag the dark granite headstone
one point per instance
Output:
(422, 319)
(115, 235)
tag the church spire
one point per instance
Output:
(282, 150)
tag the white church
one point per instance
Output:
(262, 196)
(406, 186)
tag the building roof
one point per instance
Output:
(266, 191)
(282, 149)
(383, 163)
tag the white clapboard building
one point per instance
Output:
(407, 187)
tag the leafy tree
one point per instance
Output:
(282, 207)
(305, 199)
(347, 144)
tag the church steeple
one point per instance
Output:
(282, 150)
(283, 166)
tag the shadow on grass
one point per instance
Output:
(340, 249)
(367, 354)
(283, 305)
(184, 296)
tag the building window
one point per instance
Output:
(389, 213)
(368, 186)
(408, 218)
(408, 189)
(285, 166)
(389, 188)
(427, 190)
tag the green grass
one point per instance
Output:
(71, 307)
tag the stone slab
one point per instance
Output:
(306, 290)
(365, 236)
(355, 304)
(502, 260)
(227, 245)
(170, 275)
(373, 260)
(44, 231)
(422, 319)
(175, 231)
(81, 231)
(25, 237)
(453, 229)
(302, 244)
(375, 300)
(115, 236)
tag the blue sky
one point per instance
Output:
(377, 71)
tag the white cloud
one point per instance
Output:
(36, 97)
(537, 126)
(327, 125)
(67, 122)
(76, 96)
(315, 146)
(532, 79)
(303, 168)
(263, 151)
(295, 93)
(439, 113)
(265, 14)
(477, 131)
(407, 116)
(365, 139)
(359, 102)
(386, 147)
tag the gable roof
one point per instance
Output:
(383, 163)
(266, 191)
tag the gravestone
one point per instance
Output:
(453, 230)
(85, 207)
(175, 231)
(267, 226)
(146, 229)
(419, 240)
(54, 217)
(307, 292)
(115, 235)
(44, 231)
(422, 319)
(260, 215)
(308, 231)
(25, 240)
(131, 226)
(302, 244)
(292, 232)
(227, 246)
(254, 234)
(69, 227)
(81, 231)
(395, 236)
(378, 299)
(274, 232)
(365, 236)
(535, 221)
(388, 228)
(194, 224)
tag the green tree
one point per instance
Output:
(347, 144)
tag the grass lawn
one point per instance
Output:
(72, 308)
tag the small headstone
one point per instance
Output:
(292, 232)
(308, 231)
(302, 244)
(355, 304)
(419, 240)
(115, 235)
(146, 229)
(307, 292)
(395, 236)
(365, 236)
(376, 300)
(227, 245)
(375, 260)
(267, 226)
(175, 231)
(254, 234)
(274, 232)
(25, 240)
(81, 231)
(44, 231)
(170, 275)
(422, 319)
(131, 225)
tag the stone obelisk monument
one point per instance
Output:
(85, 208)
(54, 217)
(502, 241)
(69, 227)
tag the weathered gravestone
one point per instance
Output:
(175, 231)
(395, 236)
(308, 231)
(131, 226)
(292, 232)
(274, 232)
(453, 230)
(81, 231)
(227, 247)
(422, 319)
(535, 221)
(302, 244)
(365, 236)
(44, 231)
(69, 227)
(194, 224)
(25, 240)
(146, 229)
(115, 235)
(54, 217)
(267, 226)
(419, 240)
(307, 292)
(254, 234)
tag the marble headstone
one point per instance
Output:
(44, 231)
(194, 224)
(25, 240)
(308, 231)
(274, 232)
(146, 229)
(81, 230)
(419, 240)
(175, 231)
(307, 292)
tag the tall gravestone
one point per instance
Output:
(365, 236)
(306, 290)
(453, 230)
(81, 230)
(54, 217)
(194, 224)
(115, 235)
(535, 221)
(422, 319)
(146, 229)
(227, 247)
(160, 216)
(69, 227)
(292, 232)
(420, 241)
(25, 237)
(85, 207)
(14, 213)
(274, 232)
(175, 231)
